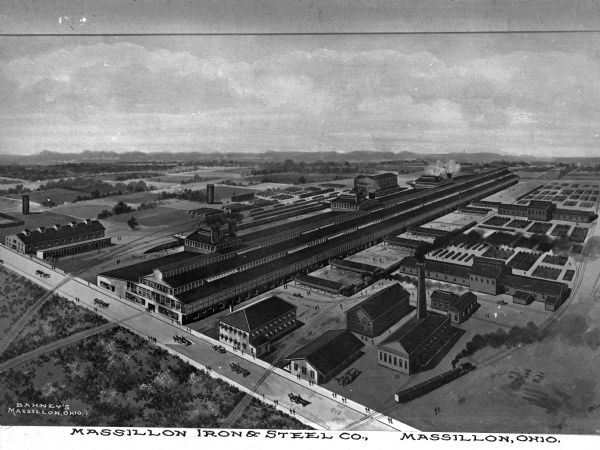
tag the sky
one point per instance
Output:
(514, 93)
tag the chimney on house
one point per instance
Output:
(421, 295)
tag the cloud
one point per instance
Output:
(316, 95)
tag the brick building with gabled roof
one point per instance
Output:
(414, 343)
(254, 327)
(71, 238)
(380, 311)
(320, 360)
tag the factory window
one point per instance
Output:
(303, 370)
(296, 367)
(395, 361)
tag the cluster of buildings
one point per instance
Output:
(491, 276)
(222, 271)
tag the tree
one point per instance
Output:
(132, 223)
(301, 180)
(121, 208)
(104, 214)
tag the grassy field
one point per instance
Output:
(57, 319)
(85, 210)
(160, 216)
(135, 197)
(58, 196)
(16, 295)
(35, 220)
(119, 379)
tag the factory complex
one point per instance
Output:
(232, 266)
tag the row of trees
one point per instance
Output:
(322, 167)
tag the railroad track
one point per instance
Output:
(494, 358)
(24, 319)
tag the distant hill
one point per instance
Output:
(48, 157)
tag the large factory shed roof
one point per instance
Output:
(378, 176)
(328, 351)
(258, 314)
(320, 283)
(355, 266)
(382, 301)
(404, 242)
(432, 232)
(64, 231)
(133, 272)
(288, 227)
(413, 333)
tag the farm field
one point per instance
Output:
(84, 210)
(58, 196)
(157, 217)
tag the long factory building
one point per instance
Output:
(189, 286)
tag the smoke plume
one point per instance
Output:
(443, 168)
(573, 330)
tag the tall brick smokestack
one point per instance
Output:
(421, 297)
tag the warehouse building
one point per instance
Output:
(352, 202)
(485, 274)
(320, 360)
(373, 186)
(60, 240)
(458, 307)
(419, 341)
(212, 239)
(527, 289)
(380, 311)
(545, 211)
(430, 181)
(255, 327)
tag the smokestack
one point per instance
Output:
(25, 205)
(421, 296)
(210, 194)
(449, 175)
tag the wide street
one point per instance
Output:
(324, 411)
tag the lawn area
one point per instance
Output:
(16, 295)
(120, 379)
(57, 319)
